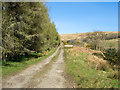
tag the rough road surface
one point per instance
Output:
(54, 78)
(32, 78)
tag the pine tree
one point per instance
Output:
(27, 29)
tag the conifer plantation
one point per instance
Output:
(26, 30)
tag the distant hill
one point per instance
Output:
(77, 35)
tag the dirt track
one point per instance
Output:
(53, 77)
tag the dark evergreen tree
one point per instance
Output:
(26, 29)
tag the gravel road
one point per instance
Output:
(54, 78)
(40, 75)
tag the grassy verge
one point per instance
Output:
(110, 43)
(55, 57)
(47, 67)
(86, 76)
(15, 67)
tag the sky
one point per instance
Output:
(80, 17)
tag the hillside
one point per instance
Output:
(93, 60)
(76, 35)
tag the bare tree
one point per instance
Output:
(94, 38)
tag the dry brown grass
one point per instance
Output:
(92, 60)
(77, 35)
(98, 63)
(77, 49)
(72, 36)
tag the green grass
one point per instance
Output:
(84, 75)
(55, 57)
(15, 67)
(110, 43)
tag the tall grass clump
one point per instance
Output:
(87, 73)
